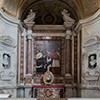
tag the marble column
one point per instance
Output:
(29, 52)
(29, 64)
(22, 55)
(68, 52)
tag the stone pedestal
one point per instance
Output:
(52, 99)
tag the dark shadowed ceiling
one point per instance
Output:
(49, 11)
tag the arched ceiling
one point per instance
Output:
(78, 9)
(48, 11)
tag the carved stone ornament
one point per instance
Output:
(7, 40)
(7, 75)
(28, 78)
(48, 93)
(91, 56)
(88, 76)
(48, 77)
(91, 41)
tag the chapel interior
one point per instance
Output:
(49, 49)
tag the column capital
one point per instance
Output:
(24, 32)
(68, 34)
(29, 34)
(29, 25)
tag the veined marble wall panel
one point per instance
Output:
(8, 59)
(90, 94)
(90, 49)
(8, 29)
(90, 55)
(8, 54)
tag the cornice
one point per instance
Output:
(9, 18)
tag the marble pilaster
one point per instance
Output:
(29, 53)
(68, 51)
(29, 47)
(22, 68)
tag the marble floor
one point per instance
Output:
(50, 99)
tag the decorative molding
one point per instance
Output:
(8, 41)
(46, 30)
(88, 21)
(90, 67)
(9, 18)
(48, 27)
(92, 43)
(7, 75)
(68, 34)
(91, 40)
(48, 77)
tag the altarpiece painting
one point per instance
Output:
(48, 54)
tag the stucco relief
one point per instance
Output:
(90, 61)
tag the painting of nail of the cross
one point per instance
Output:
(48, 54)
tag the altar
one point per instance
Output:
(48, 91)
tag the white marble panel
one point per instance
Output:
(8, 52)
(90, 30)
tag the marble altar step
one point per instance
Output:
(18, 99)
(35, 99)
(52, 99)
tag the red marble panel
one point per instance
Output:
(68, 56)
(75, 59)
(29, 57)
(21, 59)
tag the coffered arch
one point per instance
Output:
(49, 12)
(82, 8)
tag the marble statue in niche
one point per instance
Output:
(30, 17)
(6, 61)
(66, 16)
(68, 21)
(92, 63)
